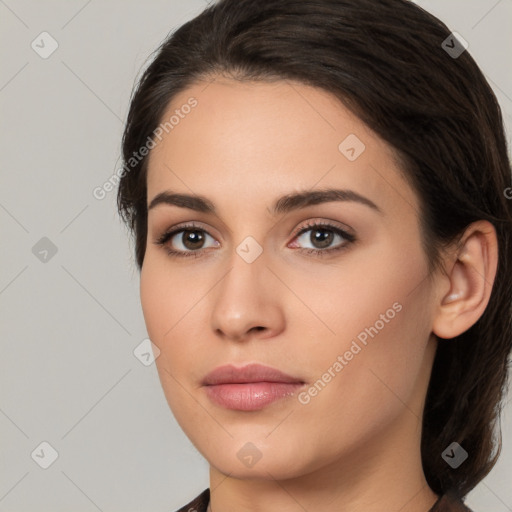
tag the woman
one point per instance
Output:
(318, 195)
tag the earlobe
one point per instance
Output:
(471, 277)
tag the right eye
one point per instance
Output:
(185, 240)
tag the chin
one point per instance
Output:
(263, 460)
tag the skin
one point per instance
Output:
(356, 445)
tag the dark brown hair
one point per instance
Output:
(385, 61)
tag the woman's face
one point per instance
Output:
(352, 321)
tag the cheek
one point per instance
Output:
(168, 295)
(379, 380)
(376, 309)
(168, 300)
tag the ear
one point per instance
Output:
(466, 288)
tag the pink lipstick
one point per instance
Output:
(249, 388)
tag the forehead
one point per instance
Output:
(258, 139)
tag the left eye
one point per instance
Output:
(322, 237)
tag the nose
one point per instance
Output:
(246, 302)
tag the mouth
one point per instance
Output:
(249, 388)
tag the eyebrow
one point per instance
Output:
(284, 204)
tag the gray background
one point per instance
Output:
(71, 320)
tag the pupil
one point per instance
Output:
(324, 239)
(193, 238)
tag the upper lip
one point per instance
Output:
(230, 374)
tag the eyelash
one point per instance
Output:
(349, 239)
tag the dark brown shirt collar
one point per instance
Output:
(448, 502)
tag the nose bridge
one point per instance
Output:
(243, 299)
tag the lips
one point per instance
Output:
(250, 388)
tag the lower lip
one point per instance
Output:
(250, 396)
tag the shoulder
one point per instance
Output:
(198, 504)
